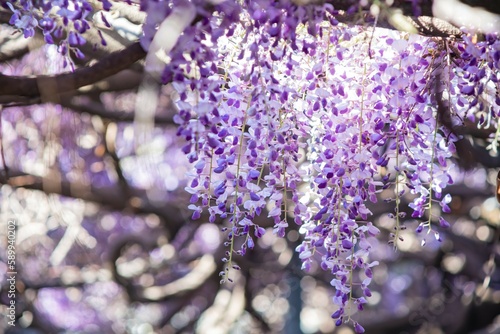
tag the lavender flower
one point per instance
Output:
(288, 114)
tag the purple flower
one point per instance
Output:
(347, 244)
(443, 223)
(290, 132)
(467, 90)
(250, 243)
(358, 328)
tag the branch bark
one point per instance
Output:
(46, 86)
(98, 109)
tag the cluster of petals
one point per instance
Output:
(285, 112)
(62, 22)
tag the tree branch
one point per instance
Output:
(46, 86)
(97, 109)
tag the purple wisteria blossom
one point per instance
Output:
(62, 22)
(290, 115)
(298, 118)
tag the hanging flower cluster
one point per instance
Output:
(290, 97)
(474, 84)
(290, 114)
(238, 114)
(62, 22)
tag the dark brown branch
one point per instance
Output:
(97, 109)
(46, 86)
(122, 81)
